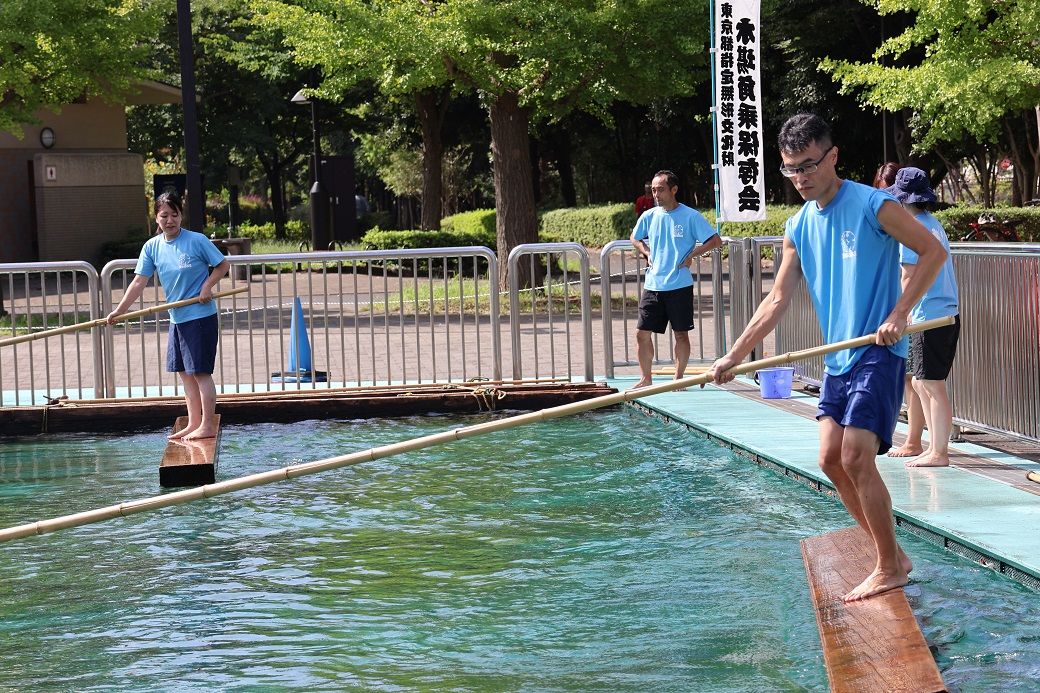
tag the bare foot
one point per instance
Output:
(176, 435)
(904, 561)
(645, 382)
(201, 433)
(933, 459)
(906, 450)
(876, 583)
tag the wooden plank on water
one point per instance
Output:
(870, 645)
(189, 463)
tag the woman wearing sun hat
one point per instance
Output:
(932, 351)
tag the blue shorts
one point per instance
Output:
(192, 346)
(867, 396)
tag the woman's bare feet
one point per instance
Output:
(876, 583)
(201, 433)
(645, 382)
(906, 450)
(176, 435)
(932, 459)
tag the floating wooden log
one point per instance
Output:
(189, 462)
(869, 645)
(111, 415)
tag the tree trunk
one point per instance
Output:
(277, 202)
(516, 220)
(431, 105)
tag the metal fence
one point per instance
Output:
(435, 315)
(546, 322)
(621, 283)
(995, 383)
(42, 295)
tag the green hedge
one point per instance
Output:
(772, 225)
(294, 231)
(479, 221)
(591, 226)
(956, 220)
(128, 247)
(377, 239)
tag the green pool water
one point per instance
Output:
(604, 552)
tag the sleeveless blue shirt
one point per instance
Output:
(851, 267)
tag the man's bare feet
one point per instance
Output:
(201, 433)
(904, 561)
(906, 450)
(645, 382)
(932, 459)
(876, 583)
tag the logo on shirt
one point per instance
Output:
(183, 261)
(677, 230)
(848, 244)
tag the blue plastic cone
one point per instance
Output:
(299, 342)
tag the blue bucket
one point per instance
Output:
(775, 383)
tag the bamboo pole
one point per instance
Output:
(1033, 476)
(208, 491)
(101, 322)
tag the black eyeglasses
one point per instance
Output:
(792, 171)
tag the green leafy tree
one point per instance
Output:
(539, 60)
(530, 61)
(391, 44)
(54, 52)
(965, 69)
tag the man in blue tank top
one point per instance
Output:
(845, 243)
(667, 236)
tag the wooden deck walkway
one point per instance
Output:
(871, 645)
(189, 462)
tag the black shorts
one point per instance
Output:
(658, 308)
(932, 351)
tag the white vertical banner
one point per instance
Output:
(738, 104)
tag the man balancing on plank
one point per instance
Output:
(845, 242)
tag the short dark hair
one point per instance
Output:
(673, 180)
(799, 132)
(170, 199)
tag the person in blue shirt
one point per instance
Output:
(667, 235)
(845, 243)
(932, 351)
(188, 265)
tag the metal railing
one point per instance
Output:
(42, 295)
(371, 317)
(434, 315)
(621, 266)
(558, 289)
(995, 382)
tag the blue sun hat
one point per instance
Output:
(911, 186)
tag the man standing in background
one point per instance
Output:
(672, 230)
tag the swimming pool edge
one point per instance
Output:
(940, 536)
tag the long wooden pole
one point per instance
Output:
(101, 322)
(284, 473)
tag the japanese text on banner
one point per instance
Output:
(738, 103)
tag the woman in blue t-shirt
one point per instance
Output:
(931, 352)
(189, 266)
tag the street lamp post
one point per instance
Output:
(319, 200)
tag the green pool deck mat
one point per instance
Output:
(995, 519)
